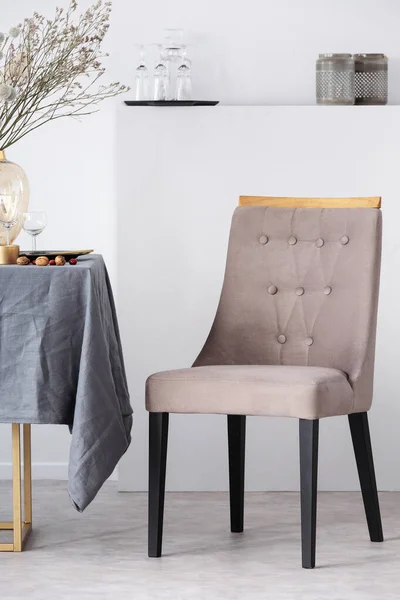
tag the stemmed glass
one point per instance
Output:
(34, 223)
(142, 77)
(9, 211)
(173, 43)
(184, 78)
(173, 46)
(161, 76)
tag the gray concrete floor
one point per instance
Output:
(102, 553)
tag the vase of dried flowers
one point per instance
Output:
(13, 183)
(49, 69)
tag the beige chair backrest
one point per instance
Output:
(301, 288)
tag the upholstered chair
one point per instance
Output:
(294, 336)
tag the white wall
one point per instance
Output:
(174, 216)
(258, 52)
(262, 51)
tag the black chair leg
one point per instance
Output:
(236, 446)
(365, 465)
(308, 489)
(158, 442)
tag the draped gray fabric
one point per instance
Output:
(298, 305)
(61, 363)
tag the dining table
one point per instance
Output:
(61, 363)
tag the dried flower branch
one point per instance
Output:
(50, 69)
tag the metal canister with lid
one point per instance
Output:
(335, 79)
(371, 78)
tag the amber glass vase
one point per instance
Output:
(13, 180)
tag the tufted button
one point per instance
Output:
(309, 341)
(344, 240)
(319, 242)
(292, 240)
(327, 290)
(281, 339)
(299, 291)
(263, 239)
(272, 290)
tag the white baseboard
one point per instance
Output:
(55, 471)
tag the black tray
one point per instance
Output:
(171, 102)
(32, 254)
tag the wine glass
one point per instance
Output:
(184, 82)
(173, 43)
(161, 76)
(9, 211)
(173, 47)
(142, 77)
(34, 223)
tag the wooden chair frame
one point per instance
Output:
(287, 202)
(21, 525)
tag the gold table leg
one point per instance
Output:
(20, 526)
(27, 474)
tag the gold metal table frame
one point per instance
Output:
(21, 525)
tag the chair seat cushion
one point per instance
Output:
(282, 391)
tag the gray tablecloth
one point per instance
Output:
(61, 362)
